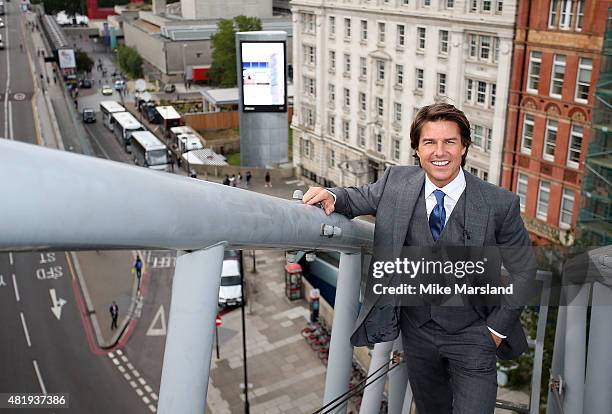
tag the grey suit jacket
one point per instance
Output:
(492, 219)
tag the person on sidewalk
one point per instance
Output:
(138, 269)
(238, 179)
(114, 311)
(314, 306)
(268, 180)
(226, 180)
(248, 178)
(232, 180)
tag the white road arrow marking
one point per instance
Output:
(2, 282)
(161, 317)
(57, 304)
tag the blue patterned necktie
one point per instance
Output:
(437, 217)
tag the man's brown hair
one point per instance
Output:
(440, 112)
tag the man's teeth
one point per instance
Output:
(440, 163)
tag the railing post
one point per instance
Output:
(599, 363)
(398, 383)
(575, 348)
(340, 359)
(557, 367)
(195, 293)
(372, 394)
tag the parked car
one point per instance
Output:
(107, 90)
(120, 85)
(89, 115)
(230, 291)
(169, 88)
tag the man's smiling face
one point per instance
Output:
(440, 150)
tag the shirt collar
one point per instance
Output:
(454, 189)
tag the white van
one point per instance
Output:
(230, 291)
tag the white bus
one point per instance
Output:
(108, 108)
(149, 151)
(124, 124)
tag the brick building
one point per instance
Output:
(557, 54)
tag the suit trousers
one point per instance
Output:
(450, 373)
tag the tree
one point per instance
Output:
(129, 61)
(83, 61)
(223, 68)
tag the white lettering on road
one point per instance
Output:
(40, 380)
(25, 329)
(54, 272)
(158, 319)
(47, 258)
(164, 262)
(16, 288)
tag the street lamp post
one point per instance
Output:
(184, 64)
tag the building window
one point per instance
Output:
(380, 70)
(486, 5)
(493, 95)
(478, 135)
(527, 139)
(346, 126)
(426, 3)
(332, 26)
(309, 54)
(550, 140)
(396, 149)
(488, 139)
(362, 101)
(579, 15)
(381, 32)
(477, 93)
(347, 64)
(552, 14)
(347, 28)
(565, 15)
(309, 117)
(575, 146)
(308, 23)
(543, 196)
(309, 86)
(332, 158)
(496, 42)
(331, 93)
(380, 107)
(485, 47)
(450, 4)
(583, 80)
(481, 93)
(533, 81)
(405, 2)
(331, 125)
(399, 75)
(480, 47)
(474, 171)
(474, 6)
(485, 176)
(361, 136)
(401, 35)
(567, 209)
(443, 46)
(499, 6)
(421, 35)
(558, 72)
(442, 84)
(521, 190)
(363, 67)
(397, 112)
(379, 142)
(420, 75)
(332, 60)
(364, 30)
(473, 40)
(469, 91)
(347, 97)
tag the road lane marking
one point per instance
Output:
(139, 392)
(127, 377)
(133, 377)
(16, 288)
(152, 408)
(145, 400)
(10, 119)
(25, 330)
(148, 388)
(121, 369)
(8, 82)
(40, 381)
(11, 258)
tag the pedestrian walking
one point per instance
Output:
(226, 180)
(138, 270)
(314, 305)
(114, 311)
(268, 180)
(54, 79)
(238, 179)
(248, 178)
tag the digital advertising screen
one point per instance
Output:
(264, 81)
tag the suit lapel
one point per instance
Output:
(409, 191)
(477, 212)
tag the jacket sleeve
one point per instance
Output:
(360, 201)
(519, 260)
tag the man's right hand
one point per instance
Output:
(316, 195)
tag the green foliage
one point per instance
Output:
(233, 159)
(83, 61)
(129, 61)
(223, 68)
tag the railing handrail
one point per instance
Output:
(55, 200)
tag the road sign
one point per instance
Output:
(218, 321)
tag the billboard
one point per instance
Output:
(264, 80)
(66, 58)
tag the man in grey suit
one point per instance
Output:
(450, 352)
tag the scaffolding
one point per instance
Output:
(595, 218)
